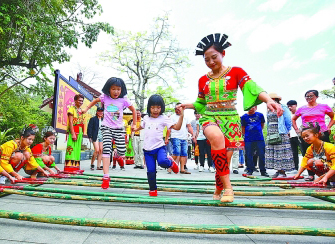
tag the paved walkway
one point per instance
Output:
(13, 231)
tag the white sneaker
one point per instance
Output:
(196, 167)
(123, 169)
(212, 170)
(201, 169)
(159, 167)
(3, 180)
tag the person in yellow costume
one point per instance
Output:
(76, 128)
(16, 154)
(319, 157)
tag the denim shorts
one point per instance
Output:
(179, 147)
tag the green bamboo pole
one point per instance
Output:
(176, 201)
(170, 179)
(326, 198)
(167, 227)
(237, 192)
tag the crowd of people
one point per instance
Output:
(218, 133)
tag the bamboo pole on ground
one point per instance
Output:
(178, 201)
(167, 227)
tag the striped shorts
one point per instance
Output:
(109, 134)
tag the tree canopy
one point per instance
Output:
(147, 57)
(34, 34)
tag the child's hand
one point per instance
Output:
(18, 177)
(12, 179)
(322, 181)
(296, 176)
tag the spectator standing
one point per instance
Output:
(179, 140)
(252, 129)
(95, 136)
(279, 155)
(313, 112)
(138, 138)
(204, 148)
(295, 140)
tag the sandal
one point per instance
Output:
(185, 172)
(100, 168)
(92, 166)
(228, 195)
(216, 197)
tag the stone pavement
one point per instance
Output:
(13, 231)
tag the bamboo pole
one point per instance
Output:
(237, 192)
(167, 227)
(177, 201)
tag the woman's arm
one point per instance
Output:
(73, 134)
(331, 122)
(272, 105)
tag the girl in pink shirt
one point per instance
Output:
(154, 146)
(115, 101)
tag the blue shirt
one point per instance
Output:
(253, 127)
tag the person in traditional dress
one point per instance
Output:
(76, 128)
(319, 157)
(42, 151)
(16, 154)
(216, 102)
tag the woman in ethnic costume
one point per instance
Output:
(16, 154)
(42, 151)
(216, 103)
(76, 121)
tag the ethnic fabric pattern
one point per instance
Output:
(280, 156)
(217, 99)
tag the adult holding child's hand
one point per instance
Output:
(216, 103)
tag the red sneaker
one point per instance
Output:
(153, 193)
(174, 166)
(105, 183)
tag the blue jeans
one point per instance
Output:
(179, 147)
(250, 148)
(158, 154)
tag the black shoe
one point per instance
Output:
(92, 166)
(249, 173)
(235, 171)
(138, 167)
(265, 174)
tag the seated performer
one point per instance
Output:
(17, 154)
(319, 157)
(42, 151)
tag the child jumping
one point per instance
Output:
(115, 101)
(154, 146)
(319, 157)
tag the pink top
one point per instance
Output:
(315, 114)
(153, 131)
(113, 112)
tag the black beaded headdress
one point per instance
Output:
(30, 127)
(209, 40)
(48, 129)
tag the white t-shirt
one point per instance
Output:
(182, 133)
(201, 135)
(292, 131)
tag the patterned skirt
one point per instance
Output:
(279, 157)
